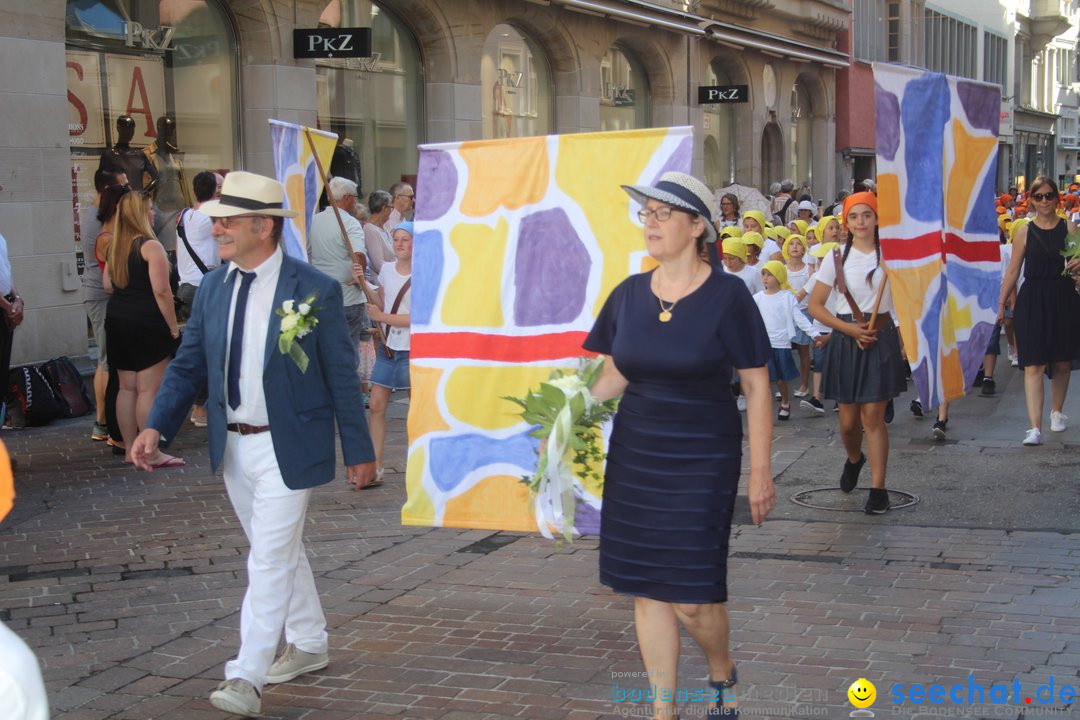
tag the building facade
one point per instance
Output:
(1028, 47)
(440, 70)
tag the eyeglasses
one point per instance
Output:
(404, 195)
(226, 220)
(662, 213)
(725, 202)
(1039, 197)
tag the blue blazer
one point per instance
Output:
(302, 407)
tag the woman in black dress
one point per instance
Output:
(673, 337)
(1046, 319)
(140, 319)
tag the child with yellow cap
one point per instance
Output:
(734, 260)
(821, 335)
(754, 221)
(798, 272)
(780, 311)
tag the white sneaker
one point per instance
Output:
(1033, 437)
(801, 393)
(295, 662)
(1058, 421)
(741, 403)
(1015, 362)
(238, 697)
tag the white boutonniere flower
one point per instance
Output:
(297, 320)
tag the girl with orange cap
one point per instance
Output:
(864, 366)
(779, 310)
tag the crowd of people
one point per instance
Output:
(190, 339)
(801, 278)
(137, 296)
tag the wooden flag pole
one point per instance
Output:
(877, 301)
(358, 277)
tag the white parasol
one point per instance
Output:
(749, 198)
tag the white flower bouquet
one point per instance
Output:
(568, 419)
(297, 320)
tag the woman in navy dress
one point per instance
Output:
(673, 336)
(1047, 314)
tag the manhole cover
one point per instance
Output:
(833, 498)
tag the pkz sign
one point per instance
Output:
(332, 43)
(709, 94)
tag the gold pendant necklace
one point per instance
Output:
(665, 312)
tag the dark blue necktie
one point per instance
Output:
(236, 342)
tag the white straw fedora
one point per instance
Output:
(682, 191)
(245, 193)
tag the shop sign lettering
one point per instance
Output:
(712, 94)
(135, 35)
(332, 43)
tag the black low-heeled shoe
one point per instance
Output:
(720, 686)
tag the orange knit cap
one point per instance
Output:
(860, 198)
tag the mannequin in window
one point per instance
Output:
(171, 193)
(346, 161)
(122, 158)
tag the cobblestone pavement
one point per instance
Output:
(128, 585)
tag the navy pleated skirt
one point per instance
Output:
(853, 375)
(669, 492)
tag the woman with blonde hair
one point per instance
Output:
(140, 319)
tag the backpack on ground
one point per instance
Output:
(67, 385)
(33, 401)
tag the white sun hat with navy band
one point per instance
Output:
(681, 191)
(245, 193)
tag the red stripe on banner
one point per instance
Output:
(930, 245)
(922, 247)
(982, 251)
(498, 348)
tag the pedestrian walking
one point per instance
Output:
(666, 513)
(1047, 313)
(271, 418)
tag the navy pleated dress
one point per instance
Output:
(675, 453)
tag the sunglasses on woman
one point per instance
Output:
(1039, 197)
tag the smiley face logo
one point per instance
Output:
(862, 693)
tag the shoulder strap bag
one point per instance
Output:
(180, 231)
(841, 286)
(393, 311)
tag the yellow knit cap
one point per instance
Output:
(753, 238)
(734, 246)
(778, 271)
(792, 238)
(757, 216)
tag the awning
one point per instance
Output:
(639, 12)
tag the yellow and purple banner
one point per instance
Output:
(937, 145)
(518, 243)
(294, 168)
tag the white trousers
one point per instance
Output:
(281, 589)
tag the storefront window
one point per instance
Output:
(515, 84)
(170, 66)
(624, 92)
(719, 127)
(802, 142)
(373, 104)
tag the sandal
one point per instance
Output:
(784, 413)
(720, 686)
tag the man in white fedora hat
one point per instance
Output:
(277, 383)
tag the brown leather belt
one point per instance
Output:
(245, 429)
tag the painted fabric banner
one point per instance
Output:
(518, 244)
(294, 168)
(937, 144)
